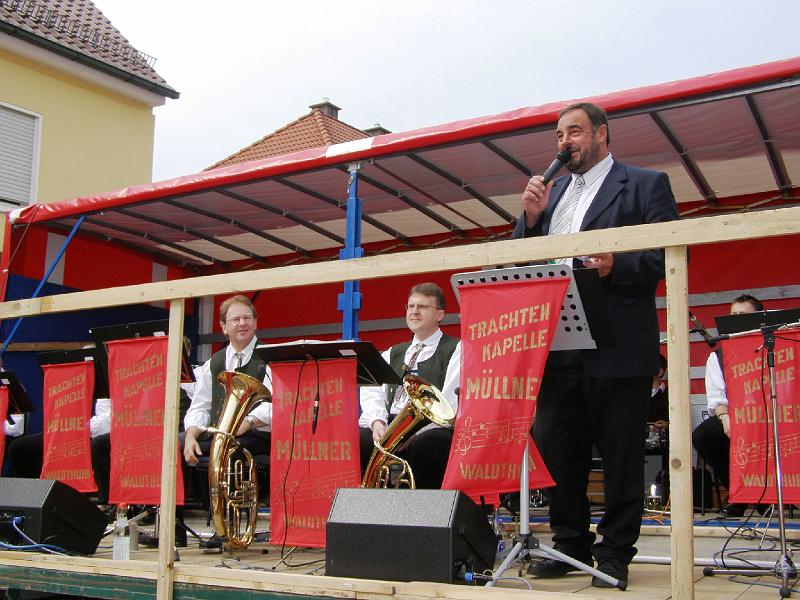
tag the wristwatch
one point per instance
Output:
(251, 420)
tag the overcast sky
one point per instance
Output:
(246, 68)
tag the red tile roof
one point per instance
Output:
(70, 26)
(314, 130)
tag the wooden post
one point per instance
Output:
(680, 425)
(166, 532)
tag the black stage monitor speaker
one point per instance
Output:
(405, 535)
(53, 513)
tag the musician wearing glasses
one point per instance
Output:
(238, 320)
(433, 356)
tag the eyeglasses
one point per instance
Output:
(240, 319)
(420, 307)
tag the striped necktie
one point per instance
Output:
(400, 392)
(565, 211)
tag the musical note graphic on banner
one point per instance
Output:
(495, 433)
(68, 450)
(762, 450)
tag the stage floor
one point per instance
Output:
(258, 571)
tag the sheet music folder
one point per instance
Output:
(372, 368)
(128, 331)
(584, 322)
(756, 320)
(18, 401)
(60, 357)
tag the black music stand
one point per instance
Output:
(18, 401)
(60, 357)
(584, 323)
(127, 331)
(767, 323)
(372, 368)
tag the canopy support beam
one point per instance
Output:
(44, 279)
(688, 162)
(773, 156)
(367, 219)
(485, 200)
(349, 301)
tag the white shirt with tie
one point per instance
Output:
(373, 398)
(199, 412)
(593, 179)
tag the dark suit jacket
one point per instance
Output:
(629, 196)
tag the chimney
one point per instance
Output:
(326, 107)
(376, 130)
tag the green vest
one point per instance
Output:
(255, 367)
(434, 369)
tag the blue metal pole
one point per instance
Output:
(349, 301)
(39, 287)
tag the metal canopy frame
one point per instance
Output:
(454, 183)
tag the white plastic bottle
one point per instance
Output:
(121, 546)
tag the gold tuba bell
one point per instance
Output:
(232, 477)
(426, 404)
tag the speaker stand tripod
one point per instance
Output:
(784, 568)
(525, 542)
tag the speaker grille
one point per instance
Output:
(404, 535)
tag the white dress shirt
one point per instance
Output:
(593, 179)
(716, 392)
(17, 428)
(100, 423)
(373, 398)
(199, 413)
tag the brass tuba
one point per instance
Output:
(426, 404)
(232, 477)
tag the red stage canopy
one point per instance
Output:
(729, 141)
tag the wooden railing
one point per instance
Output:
(675, 237)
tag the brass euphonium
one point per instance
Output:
(232, 477)
(425, 405)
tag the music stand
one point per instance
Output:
(18, 401)
(584, 323)
(767, 323)
(127, 331)
(60, 357)
(372, 369)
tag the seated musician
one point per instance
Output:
(712, 438)
(238, 320)
(432, 355)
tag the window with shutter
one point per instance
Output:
(18, 154)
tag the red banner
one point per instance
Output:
(506, 333)
(67, 402)
(137, 372)
(3, 413)
(747, 386)
(306, 468)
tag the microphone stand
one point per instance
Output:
(525, 542)
(784, 568)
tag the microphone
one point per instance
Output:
(702, 330)
(561, 159)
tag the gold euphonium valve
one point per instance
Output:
(232, 476)
(425, 405)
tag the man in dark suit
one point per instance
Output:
(599, 396)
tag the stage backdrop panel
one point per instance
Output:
(752, 476)
(506, 333)
(306, 465)
(67, 403)
(137, 370)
